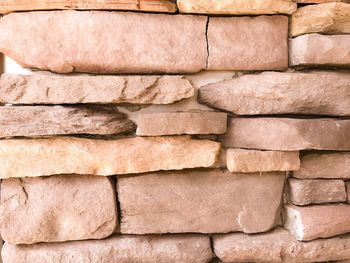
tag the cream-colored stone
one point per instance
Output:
(320, 1)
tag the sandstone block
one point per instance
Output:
(123, 249)
(315, 50)
(348, 190)
(213, 201)
(109, 42)
(317, 191)
(248, 43)
(315, 92)
(68, 155)
(155, 124)
(319, 1)
(279, 246)
(57, 208)
(317, 221)
(287, 134)
(58, 89)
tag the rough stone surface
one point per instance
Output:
(248, 43)
(319, 1)
(315, 50)
(287, 134)
(314, 92)
(48, 40)
(57, 208)
(213, 201)
(348, 190)
(317, 221)
(62, 120)
(247, 161)
(324, 165)
(317, 191)
(68, 155)
(154, 124)
(58, 89)
(328, 18)
(121, 249)
(237, 7)
(279, 246)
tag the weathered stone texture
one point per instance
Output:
(248, 43)
(315, 92)
(287, 134)
(213, 201)
(317, 191)
(57, 208)
(317, 221)
(247, 161)
(58, 89)
(121, 249)
(279, 246)
(320, 1)
(348, 190)
(68, 155)
(109, 42)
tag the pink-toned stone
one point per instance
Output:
(348, 190)
(57, 208)
(105, 42)
(317, 221)
(317, 191)
(121, 249)
(248, 43)
(319, 1)
(213, 201)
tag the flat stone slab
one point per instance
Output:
(316, 191)
(281, 93)
(69, 155)
(248, 161)
(279, 246)
(61, 89)
(143, 249)
(170, 123)
(57, 208)
(212, 201)
(48, 40)
(241, 43)
(317, 221)
(287, 134)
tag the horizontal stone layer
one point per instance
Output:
(247, 161)
(58, 89)
(213, 201)
(319, 1)
(69, 155)
(123, 249)
(279, 246)
(315, 92)
(315, 50)
(317, 221)
(316, 191)
(154, 124)
(324, 165)
(287, 134)
(57, 208)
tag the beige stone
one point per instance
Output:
(60, 89)
(168, 123)
(315, 50)
(57, 208)
(324, 165)
(314, 92)
(317, 191)
(319, 1)
(247, 161)
(248, 43)
(327, 18)
(317, 221)
(48, 40)
(237, 7)
(279, 246)
(121, 249)
(287, 134)
(213, 201)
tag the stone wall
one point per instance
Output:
(156, 131)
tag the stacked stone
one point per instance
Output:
(127, 164)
